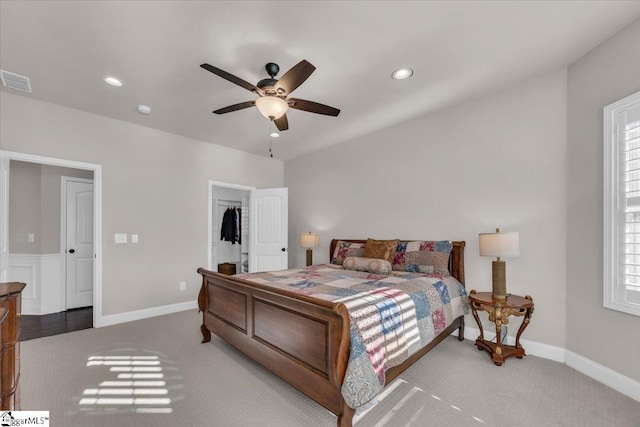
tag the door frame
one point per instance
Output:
(5, 157)
(210, 217)
(63, 232)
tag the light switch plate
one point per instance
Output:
(121, 237)
(134, 238)
(31, 238)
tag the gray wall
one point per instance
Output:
(154, 184)
(35, 206)
(496, 161)
(607, 74)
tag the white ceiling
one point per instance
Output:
(457, 49)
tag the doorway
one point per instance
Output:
(263, 228)
(45, 293)
(228, 203)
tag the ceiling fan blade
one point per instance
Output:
(233, 79)
(235, 107)
(294, 77)
(282, 123)
(312, 107)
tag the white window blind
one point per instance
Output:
(622, 205)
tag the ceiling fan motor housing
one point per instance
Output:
(267, 84)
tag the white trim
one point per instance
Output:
(113, 319)
(41, 273)
(230, 185)
(4, 213)
(97, 212)
(606, 376)
(620, 383)
(63, 234)
(612, 288)
(20, 268)
(210, 215)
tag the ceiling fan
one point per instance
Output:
(272, 101)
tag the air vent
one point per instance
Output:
(15, 81)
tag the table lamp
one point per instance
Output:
(499, 245)
(309, 240)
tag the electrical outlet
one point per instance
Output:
(31, 237)
(183, 286)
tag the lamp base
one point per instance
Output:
(309, 257)
(499, 290)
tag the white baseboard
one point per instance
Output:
(598, 372)
(606, 376)
(113, 319)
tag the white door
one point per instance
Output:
(268, 229)
(79, 242)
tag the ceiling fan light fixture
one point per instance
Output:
(272, 107)
(402, 73)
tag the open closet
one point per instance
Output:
(230, 229)
(248, 228)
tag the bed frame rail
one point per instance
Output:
(299, 341)
(302, 340)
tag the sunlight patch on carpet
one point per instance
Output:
(135, 383)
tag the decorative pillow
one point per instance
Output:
(423, 257)
(381, 249)
(346, 249)
(370, 265)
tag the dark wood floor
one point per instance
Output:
(57, 323)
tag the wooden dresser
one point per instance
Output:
(10, 300)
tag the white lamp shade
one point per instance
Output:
(309, 240)
(272, 107)
(500, 244)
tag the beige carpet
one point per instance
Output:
(214, 385)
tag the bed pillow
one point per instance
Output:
(370, 265)
(423, 257)
(346, 249)
(381, 249)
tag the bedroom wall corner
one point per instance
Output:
(606, 74)
(494, 161)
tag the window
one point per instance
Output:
(622, 205)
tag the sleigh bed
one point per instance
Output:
(282, 321)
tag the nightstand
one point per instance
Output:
(499, 311)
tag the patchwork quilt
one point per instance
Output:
(392, 316)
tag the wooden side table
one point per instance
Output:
(499, 311)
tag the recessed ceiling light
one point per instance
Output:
(402, 73)
(144, 109)
(274, 135)
(113, 81)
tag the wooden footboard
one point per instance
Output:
(302, 340)
(306, 343)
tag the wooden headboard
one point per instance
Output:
(456, 259)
